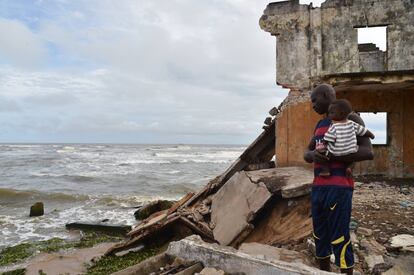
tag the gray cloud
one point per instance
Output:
(145, 71)
(19, 46)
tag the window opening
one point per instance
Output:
(377, 124)
(372, 39)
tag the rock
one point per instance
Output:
(402, 265)
(371, 246)
(310, 243)
(373, 255)
(230, 260)
(364, 231)
(358, 184)
(232, 213)
(406, 204)
(405, 241)
(376, 207)
(405, 191)
(152, 207)
(354, 239)
(212, 271)
(353, 225)
(125, 252)
(374, 261)
(273, 253)
(37, 209)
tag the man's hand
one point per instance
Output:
(320, 158)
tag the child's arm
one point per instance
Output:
(362, 131)
(369, 134)
(330, 135)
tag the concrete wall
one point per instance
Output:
(313, 42)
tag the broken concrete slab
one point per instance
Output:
(270, 253)
(291, 181)
(405, 241)
(230, 260)
(275, 227)
(235, 205)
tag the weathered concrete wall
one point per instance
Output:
(315, 42)
(295, 126)
(372, 61)
(388, 158)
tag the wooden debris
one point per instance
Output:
(179, 203)
(151, 208)
(100, 227)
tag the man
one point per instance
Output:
(332, 195)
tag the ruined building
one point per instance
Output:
(316, 45)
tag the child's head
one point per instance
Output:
(339, 110)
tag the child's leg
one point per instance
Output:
(325, 172)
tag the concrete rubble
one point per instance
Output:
(232, 261)
(403, 241)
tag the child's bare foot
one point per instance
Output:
(349, 172)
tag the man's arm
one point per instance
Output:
(310, 152)
(364, 146)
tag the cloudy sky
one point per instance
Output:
(135, 71)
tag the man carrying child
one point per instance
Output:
(332, 191)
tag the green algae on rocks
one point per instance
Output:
(20, 271)
(18, 253)
(110, 264)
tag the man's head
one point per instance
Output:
(321, 97)
(339, 110)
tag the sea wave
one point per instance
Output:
(7, 194)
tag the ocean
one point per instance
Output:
(93, 182)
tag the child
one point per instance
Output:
(340, 139)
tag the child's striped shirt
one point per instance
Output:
(341, 137)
